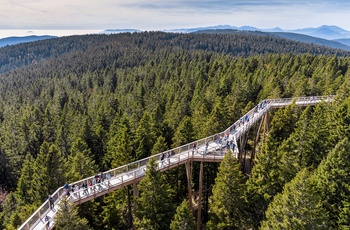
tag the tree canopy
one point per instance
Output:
(74, 106)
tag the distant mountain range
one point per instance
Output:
(17, 40)
(331, 36)
(325, 32)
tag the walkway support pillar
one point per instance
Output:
(242, 144)
(129, 206)
(266, 125)
(200, 197)
(256, 140)
(135, 193)
(189, 183)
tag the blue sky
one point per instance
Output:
(170, 14)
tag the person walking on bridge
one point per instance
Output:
(51, 202)
(168, 156)
(206, 147)
(47, 220)
(162, 158)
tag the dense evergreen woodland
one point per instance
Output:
(73, 106)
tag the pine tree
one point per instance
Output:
(79, 166)
(67, 217)
(154, 205)
(183, 218)
(79, 145)
(25, 181)
(9, 207)
(228, 207)
(92, 211)
(297, 207)
(40, 187)
(266, 180)
(184, 133)
(120, 148)
(48, 172)
(115, 211)
(56, 168)
(159, 146)
(216, 121)
(340, 125)
(333, 181)
(145, 137)
(344, 216)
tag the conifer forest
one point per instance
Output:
(73, 106)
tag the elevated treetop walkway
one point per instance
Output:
(209, 149)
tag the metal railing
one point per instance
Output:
(132, 172)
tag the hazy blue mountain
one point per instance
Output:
(218, 27)
(291, 36)
(276, 29)
(336, 36)
(326, 32)
(17, 40)
(345, 41)
(116, 31)
(313, 40)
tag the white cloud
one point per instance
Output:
(161, 14)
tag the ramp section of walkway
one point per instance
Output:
(209, 149)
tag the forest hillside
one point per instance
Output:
(71, 107)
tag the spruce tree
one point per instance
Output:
(120, 148)
(40, 187)
(67, 217)
(228, 209)
(155, 203)
(183, 218)
(25, 181)
(9, 208)
(333, 181)
(79, 166)
(184, 133)
(48, 172)
(119, 152)
(159, 146)
(297, 207)
(344, 216)
(56, 166)
(145, 137)
(266, 180)
(115, 211)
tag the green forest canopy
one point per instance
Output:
(100, 101)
